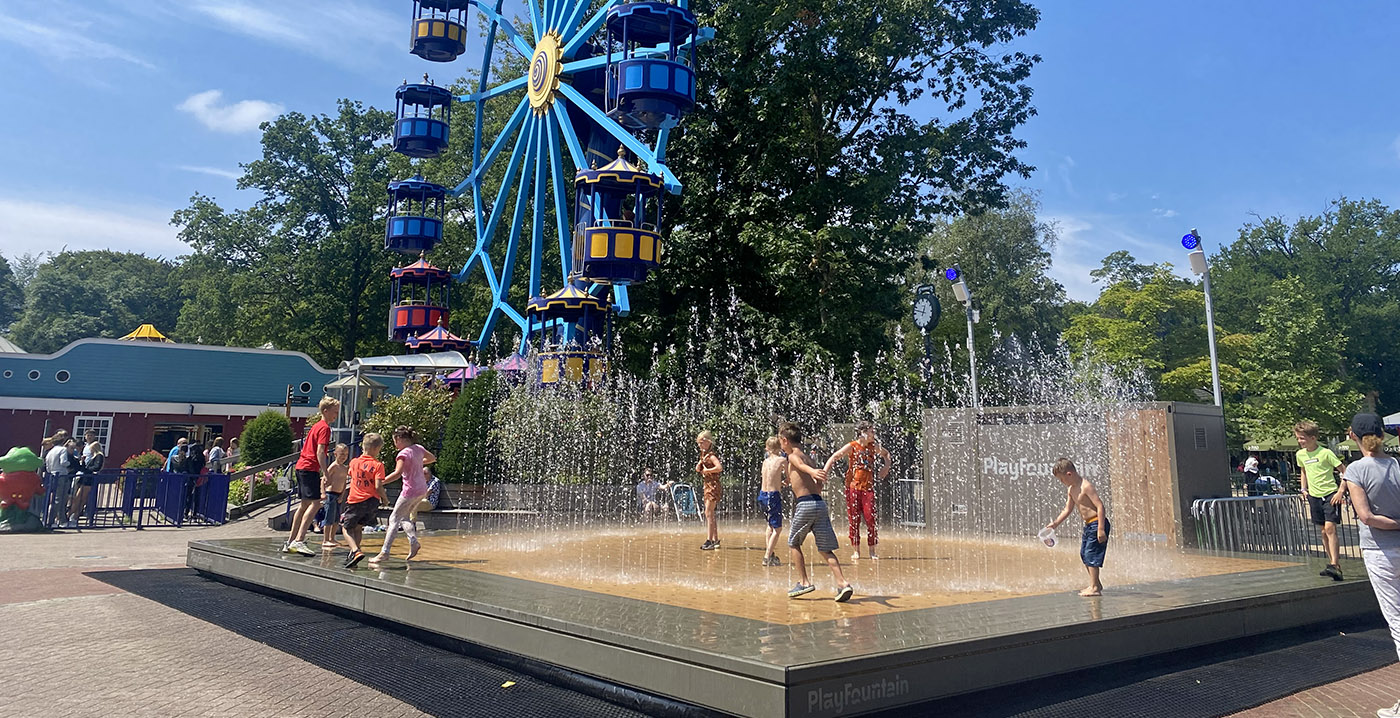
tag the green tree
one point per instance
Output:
(97, 293)
(1004, 255)
(268, 436)
(465, 444)
(305, 266)
(423, 406)
(11, 295)
(1298, 377)
(810, 179)
(1347, 264)
(1121, 267)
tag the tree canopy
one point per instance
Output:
(96, 293)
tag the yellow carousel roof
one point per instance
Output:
(569, 301)
(145, 333)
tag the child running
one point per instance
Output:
(770, 497)
(332, 487)
(809, 516)
(865, 454)
(1094, 543)
(710, 468)
(408, 467)
(366, 475)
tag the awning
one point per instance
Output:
(1392, 421)
(349, 382)
(145, 333)
(407, 363)
(1259, 446)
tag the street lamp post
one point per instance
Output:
(964, 295)
(1199, 266)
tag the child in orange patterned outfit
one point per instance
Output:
(710, 468)
(865, 454)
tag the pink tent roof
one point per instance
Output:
(514, 362)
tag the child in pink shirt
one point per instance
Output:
(409, 467)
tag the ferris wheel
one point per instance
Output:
(583, 155)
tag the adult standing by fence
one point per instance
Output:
(174, 456)
(217, 456)
(1373, 483)
(310, 470)
(59, 465)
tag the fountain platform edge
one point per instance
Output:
(839, 667)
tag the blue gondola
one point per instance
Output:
(416, 208)
(645, 90)
(422, 112)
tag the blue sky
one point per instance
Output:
(1153, 117)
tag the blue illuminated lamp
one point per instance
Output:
(1190, 241)
(951, 274)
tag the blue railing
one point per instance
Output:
(137, 498)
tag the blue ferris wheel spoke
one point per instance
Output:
(562, 10)
(485, 235)
(561, 118)
(621, 134)
(537, 213)
(518, 83)
(620, 302)
(482, 80)
(702, 36)
(517, 40)
(481, 168)
(522, 197)
(536, 21)
(583, 32)
(561, 188)
(570, 26)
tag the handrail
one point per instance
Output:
(274, 463)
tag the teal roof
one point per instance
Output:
(111, 370)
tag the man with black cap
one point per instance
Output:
(1374, 486)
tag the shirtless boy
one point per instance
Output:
(1096, 526)
(770, 497)
(332, 488)
(810, 515)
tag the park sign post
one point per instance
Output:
(1197, 258)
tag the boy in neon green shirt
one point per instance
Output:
(1318, 466)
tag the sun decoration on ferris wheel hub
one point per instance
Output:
(603, 86)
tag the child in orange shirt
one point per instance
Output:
(366, 475)
(865, 454)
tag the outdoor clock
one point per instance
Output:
(926, 311)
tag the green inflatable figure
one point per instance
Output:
(19, 484)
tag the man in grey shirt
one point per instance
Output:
(1374, 486)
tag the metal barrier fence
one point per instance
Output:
(909, 502)
(137, 498)
(1277, 525)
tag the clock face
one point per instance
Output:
(923, 312)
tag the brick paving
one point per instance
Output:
(76, 646)
(1355, 697)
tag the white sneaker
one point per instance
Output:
(301, 548)
(1391, 712)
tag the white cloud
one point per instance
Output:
(235, 118)
(1115, 196)
(212, 171)
(1070, 258)
(1066, 165)
(336, 30)
(1164, 213)
(58, 41)
(29, 226)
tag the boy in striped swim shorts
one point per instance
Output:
(810, 515)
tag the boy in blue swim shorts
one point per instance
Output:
(809, 516)
(770, 497)
(1094, 542)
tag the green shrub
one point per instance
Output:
(464, 444)
(267, 437)
(423, 406)
(264, 485)
(145, 460)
